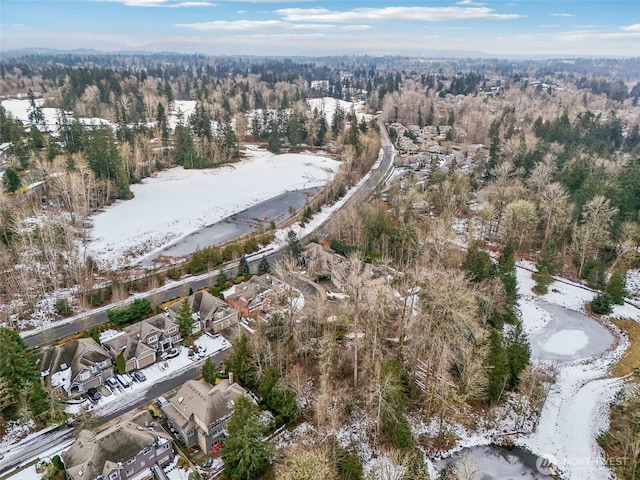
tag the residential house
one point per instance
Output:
(136, 447)
(318, 260)
(198, 412)
(75, 366)
(135, 353)
(212, 313)
(252, 296)
(159, 332)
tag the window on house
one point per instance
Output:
(152, 339)
(84, 376)
(131, 460)
(172, 330)
(191, 432)
(113, 475)
(129, 472)
(146, 450)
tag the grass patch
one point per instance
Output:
(630, 361)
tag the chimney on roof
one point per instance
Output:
(230, 378)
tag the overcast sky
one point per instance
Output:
(264, 27)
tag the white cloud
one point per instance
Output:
(631, 28)
(394, 14)
(470, 2)
(192, 4)
(162, 3)
(252, 26)
(562, 15)
(633, 36)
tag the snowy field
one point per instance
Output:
(177, 202)
(582, 350)
(329, 105)
(184, 107)
(19, 109)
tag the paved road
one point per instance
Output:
(156, 297)
(160, 295)
(30, 450)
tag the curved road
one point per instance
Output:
(85, 321)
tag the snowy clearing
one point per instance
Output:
(177, 202)
(329, 105)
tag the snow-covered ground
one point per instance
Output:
(582, 351)
(183, 107)
(30, 472)
(329, 105)
(19, 109)
(177, 202)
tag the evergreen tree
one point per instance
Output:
(477, 263)
(243, 267)
(546, 266)
(209, 373)
(601, 303)
(507, 271)
(184, 318)
(35, 116)
(279, 400)
(264, 266)
(161, 120)
(19, 373)
(184, 147)
(499, 367)
(616, 287)
(200, 122)
(240, 362)
(245, 452)
(293, 244)
(10, 180)
(518, 354)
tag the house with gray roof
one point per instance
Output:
(132, 448)
(158, 332)
(76, 366)
(198, 412)
(135, 353)
(213, 314)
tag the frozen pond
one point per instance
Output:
(493, 463)
(176, 203)
(276, 209)
(569, 336)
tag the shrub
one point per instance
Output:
(62, 307)
(616, 287)
(601, 303)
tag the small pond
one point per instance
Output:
(491, 462)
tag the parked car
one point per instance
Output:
(122, 380)
(138, 376)
(112, 382)
(94, 395)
